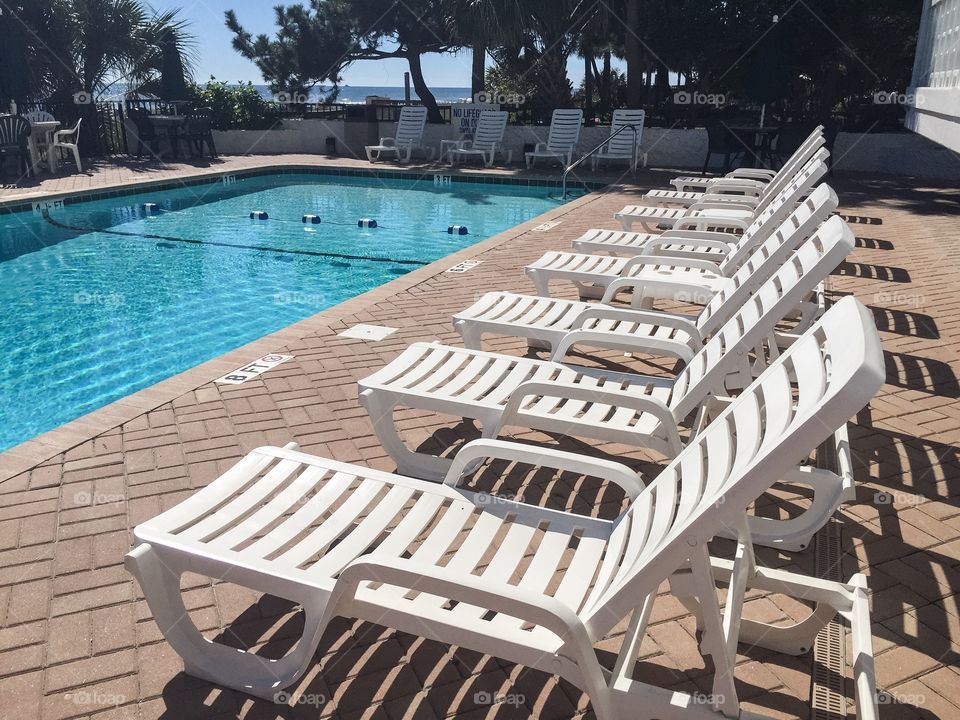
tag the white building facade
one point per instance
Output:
(935, 95)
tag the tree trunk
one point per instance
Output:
(420, 85)
(663, 81)
(478, 72)
(634, 55)
(606, 83)
(588, 86)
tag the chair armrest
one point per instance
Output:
(614, 472)
(720, 202)
(681, 235)
(625, 342)
(753, 174)
(605, 312)
(752, 188)
(678, 290)
(512, 600)
(638, 261)
(512, 414)
(388, 141)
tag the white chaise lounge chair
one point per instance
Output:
(587, 402)
(562, 141)
(625, 146)
(699, 183)
(671, 269)
(529, 584)
(413, 119)
(683, 242)
(487, 140)
(723, 211)
(745, 190)
(547, 322)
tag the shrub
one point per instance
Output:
(236, 107)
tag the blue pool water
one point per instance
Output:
(91, 316)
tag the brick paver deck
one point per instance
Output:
(77, 640)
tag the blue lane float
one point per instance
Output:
(311, 219)
(151, 208)
(457, 230)
(258, 215)
(366, 223)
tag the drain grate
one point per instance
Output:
(828, 700)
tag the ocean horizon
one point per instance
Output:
(348, 93)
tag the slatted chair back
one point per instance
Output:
(564, 130)
(777, 210)
(14, 131)
(727, 350)
(792, 165)
(822, 380)
(413, 118)
(490, 128)
(625, 143)
(801, 223)
(35, 116)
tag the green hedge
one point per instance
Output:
(236, 107)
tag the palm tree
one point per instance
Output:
(91, 45)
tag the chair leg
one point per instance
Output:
(706, 163)
(76, 157)
(212, 661)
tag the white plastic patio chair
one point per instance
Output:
(695, 183)
(529, 584)
(562, 140)
(546, 322)
(589, 402)
(711, 211)
(65, 140)
(487, 140)
(624, 146)
(675, 268)
(35, 116)
(742, 189)
(410, 127)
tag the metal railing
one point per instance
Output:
(579, 161)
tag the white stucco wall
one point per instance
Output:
(894, 153)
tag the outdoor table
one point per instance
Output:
(43, 129)
(758, 139)
(446, 148)
(170, 123)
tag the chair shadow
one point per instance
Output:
(860, 219)
(905, 322)
(919, 373)
(872, 272)
(873, 243)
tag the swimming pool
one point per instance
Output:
(102, 299)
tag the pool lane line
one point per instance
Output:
(260, 248)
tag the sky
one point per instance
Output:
(216, 57)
